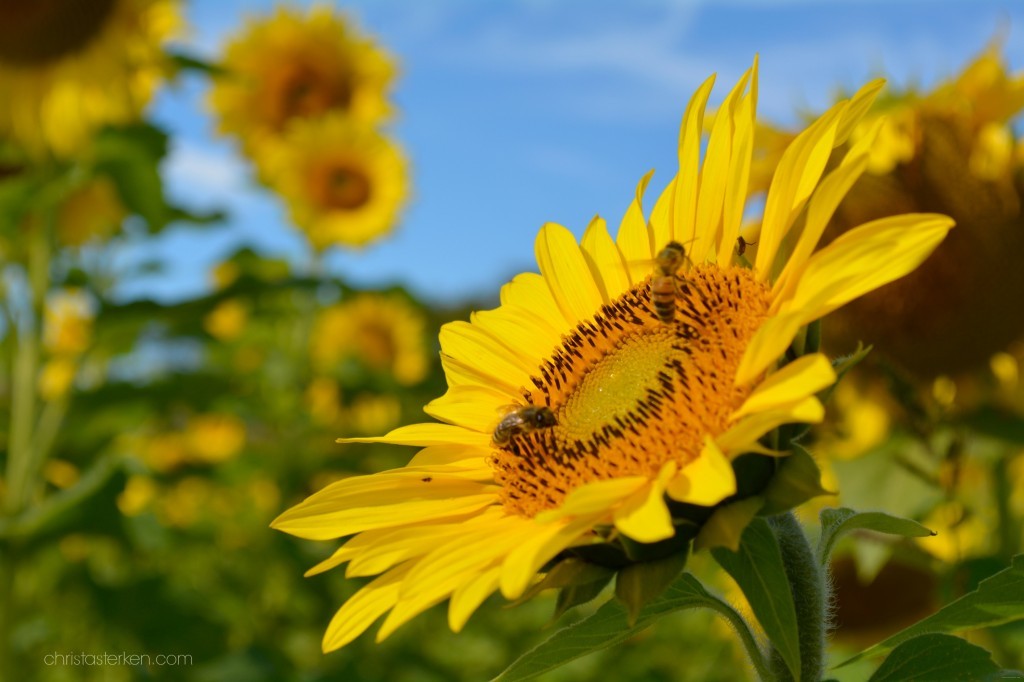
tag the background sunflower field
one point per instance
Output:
(230, 233)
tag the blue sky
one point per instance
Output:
(518, 113)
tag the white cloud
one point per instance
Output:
(205, 174)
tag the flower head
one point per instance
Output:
(383, 333)
(950, 150)
(290, 67)
(344, 183)
(69, 67)
(649, 409)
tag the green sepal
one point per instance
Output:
(837, 522)
(844, 364)
(797, 480)
(639, 584)
(727, 523)
(576, 595)
(569, 572)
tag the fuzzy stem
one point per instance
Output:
(740, 627)
(809, 584)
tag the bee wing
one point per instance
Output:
(506, 410)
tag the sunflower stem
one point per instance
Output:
(810, 587)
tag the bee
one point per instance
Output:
(742, 244)
(524, 419)
(663, 281)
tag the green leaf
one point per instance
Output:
(638, 584)
(758, 569)
(998, 599)
(996, 423)
(844, 364)
(939, 657)
(797, 480)
(131, 156)
(607, 627)
(838, 522)
(182, 61)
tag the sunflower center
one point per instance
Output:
(42, 31)
(301, 90)
(340, 186)
(631, 392)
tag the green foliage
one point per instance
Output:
(609, 626)
(838, 522)
(998, 599)
(796, 480)
(940, 657)
(758, 569)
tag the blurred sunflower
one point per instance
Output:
(953, 151)
(638, 408)
(384, 333)
(344, 183)
(290, 67)
(92, 210)
(69, 67)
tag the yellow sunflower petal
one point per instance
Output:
(472, 407)
(739, 176)
(634, 235)
(864, 259)
(469, 596)
(744, 434)
(363, 503)
(822, 206)
(707, 480)
(518, 330)
(643, 516)
(789, 385)
(529, 292)
(566, 272)
(545, 541)
(683, 217)
(606, 262)
(463, 373)
(363, 608)
(426, 434)
(795, 178)
(472, 345)
(661, 215)
(715, 176)
(598, 496)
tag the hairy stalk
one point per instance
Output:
(742, 630)
(810, 587)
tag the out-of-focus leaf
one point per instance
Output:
(758, 569)
(182, 61)
(607, 627)
(837, 522)
(998, 599)
(797, 480)
(131, 156)
(940, 657)
(996, 423)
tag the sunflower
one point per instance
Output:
(647, 411)
(69, 67)
(382, 332)
(344, 183)
(289, 67)
(950, 150)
